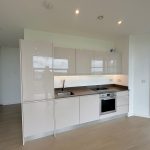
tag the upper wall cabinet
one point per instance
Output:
(84, 59)
(36, 70)
(113, 63)
(64, 61)
(99, 63)
(90, 62)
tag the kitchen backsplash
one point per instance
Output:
(74, 81)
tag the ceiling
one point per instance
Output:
(60, 18)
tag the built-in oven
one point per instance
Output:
(107, 103)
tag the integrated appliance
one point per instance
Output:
(107, 103)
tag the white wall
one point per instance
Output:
(10, 76)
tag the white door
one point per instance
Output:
(139, 75)
(89, 108)
(37, 118)
(36, 70)
(64, 61)
(67, 112)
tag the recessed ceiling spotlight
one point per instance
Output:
(100, 17)
(77, 11)
(119, 22)
(47, 5)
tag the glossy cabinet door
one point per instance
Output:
(84, 59)
(99, 63)
(64, 61)
(37, 118)
(113, 63)
(67, 112)
(36, 70)
(89, 108)
(122, 99)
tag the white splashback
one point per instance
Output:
(74, 81)
(121, 79)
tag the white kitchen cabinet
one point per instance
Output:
(113, 63)
(89, 108)
(37, 118)
(66, 112)
(99, 63)
(84, 59)
(36, 70)
(124, 109)
(64, 61)
(122, 100)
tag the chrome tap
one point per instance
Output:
(63, 85)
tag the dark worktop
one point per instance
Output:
(89, 90)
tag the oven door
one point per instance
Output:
(108, 105)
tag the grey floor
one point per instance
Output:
(10, 127)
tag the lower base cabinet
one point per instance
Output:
(123, 109)
(66, 112)
(89, 108)
(122, 99)
(37, 118)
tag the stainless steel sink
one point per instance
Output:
(64, 93)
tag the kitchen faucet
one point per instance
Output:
(63, 85)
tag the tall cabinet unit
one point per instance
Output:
(38, 118)
(36, 68)
(37, 87)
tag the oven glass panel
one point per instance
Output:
(108, 105)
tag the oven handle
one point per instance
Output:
(105, 99)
